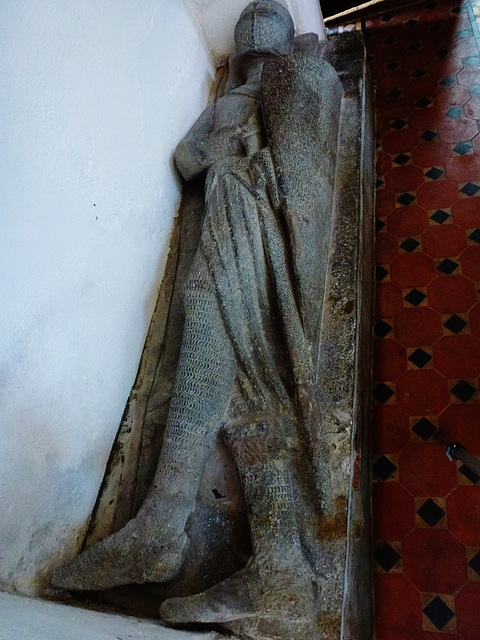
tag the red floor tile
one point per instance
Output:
(460, 422)
(406, 178)
(457, 129)
(446, 97)
(408, 221)
(444, 240)
(421, 88)
(474, 320)
(427, 355)
(401, 623)
(468, 612)
(389, 359)
(412, 270)
(451, 294)
(423, 119)
(463, 168)
(458, 356)
(425, 470)
(390, 429)
(431, 635)
(470, 261)
(386, 248)
(384, 203)
(397, 108)
(384, 163)
(472, 108)
(399, 141)
(434, 561)
(388, 300)
(466, 212)
(464, 515)
(434, 195)
(397, 506)
(417, 327)
(431, 154)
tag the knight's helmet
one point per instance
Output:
(264, 26)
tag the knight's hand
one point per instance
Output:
(224, 143)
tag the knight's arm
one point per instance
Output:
(202, 147)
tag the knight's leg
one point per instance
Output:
(275, 590)
(151, 547)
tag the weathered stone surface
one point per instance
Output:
(256, 450)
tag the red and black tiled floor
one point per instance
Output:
(425, 62)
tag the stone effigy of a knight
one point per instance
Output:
(247, 365)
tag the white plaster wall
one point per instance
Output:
(28, 619)
(94, 95)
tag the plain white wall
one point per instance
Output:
(94, 96)
(32, 619)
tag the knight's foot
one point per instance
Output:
(257, 596)
(135, 554)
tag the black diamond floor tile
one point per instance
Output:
(447, 266)
(431, 512)
(401, 159)
(415, 297)
(424, 429)
(440, 216)
(420, 358)
(462, 148)
(395, 93)
(455, 324)
(463, 391)
(410, 23)
(428, 136)
(415, 46)
(438, 613)
(436, 28)
(392, 65)
(418, 73)
(470, 189)
(448, 81)
(398, 124)
(409, 244)
(475, 235)
(379, 225)
(380, 273)
(386, 556)
(382, 329)
(384, 468)
(434, 173)
(469, 474)
(382, 392)
(441, 53)
(423, 102)
(389, 41)
(405, 199)
(475, 563)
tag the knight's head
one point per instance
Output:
(264, 27)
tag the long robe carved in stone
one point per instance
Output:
(248, 362)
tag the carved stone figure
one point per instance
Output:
(248, 361)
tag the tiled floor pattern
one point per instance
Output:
(426, 65)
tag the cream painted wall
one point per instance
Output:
(94, 95)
